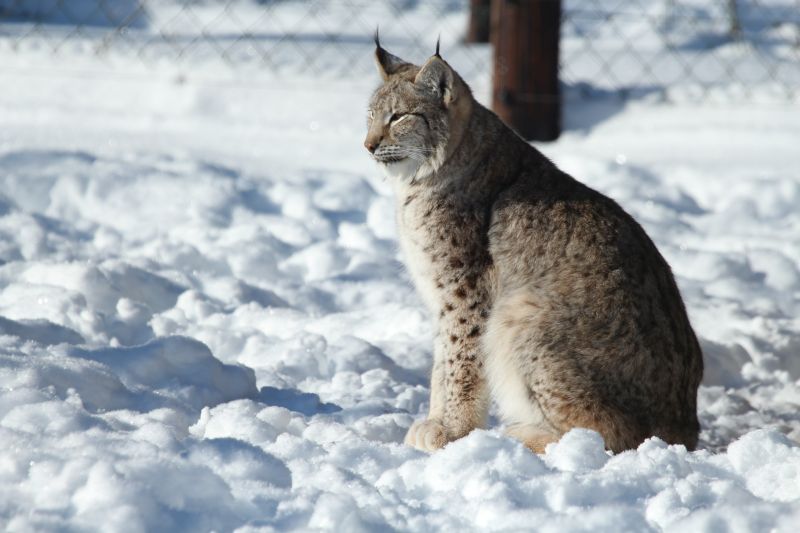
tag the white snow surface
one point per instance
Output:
(205, 323)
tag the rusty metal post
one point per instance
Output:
(526, 95)
(479, 17)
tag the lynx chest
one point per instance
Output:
(442, 243)
(417, 238)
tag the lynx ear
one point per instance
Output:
(437, 76)
(387, 63)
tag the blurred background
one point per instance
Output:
(743, 51)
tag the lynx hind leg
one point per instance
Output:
(540, 396)
(535, 437)
(508, 363)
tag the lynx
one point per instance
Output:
(547, 296)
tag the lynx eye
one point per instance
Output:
(397, 116)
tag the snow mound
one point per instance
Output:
(580, 450)
(769, 463)
(41, 331)
(175, 368)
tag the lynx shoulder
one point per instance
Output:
(548, 297)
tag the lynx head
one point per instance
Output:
(417, 115)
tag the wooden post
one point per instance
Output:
(478, 29)
(735, 23)
(525, 36)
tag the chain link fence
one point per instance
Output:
(680, 48)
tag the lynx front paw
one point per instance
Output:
(427, 435)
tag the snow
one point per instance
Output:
(205, 323)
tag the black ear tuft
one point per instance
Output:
(388, 64)
(385, 60)
(439, 38)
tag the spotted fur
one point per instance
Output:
(547, 296)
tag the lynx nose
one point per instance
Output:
(369, 145)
